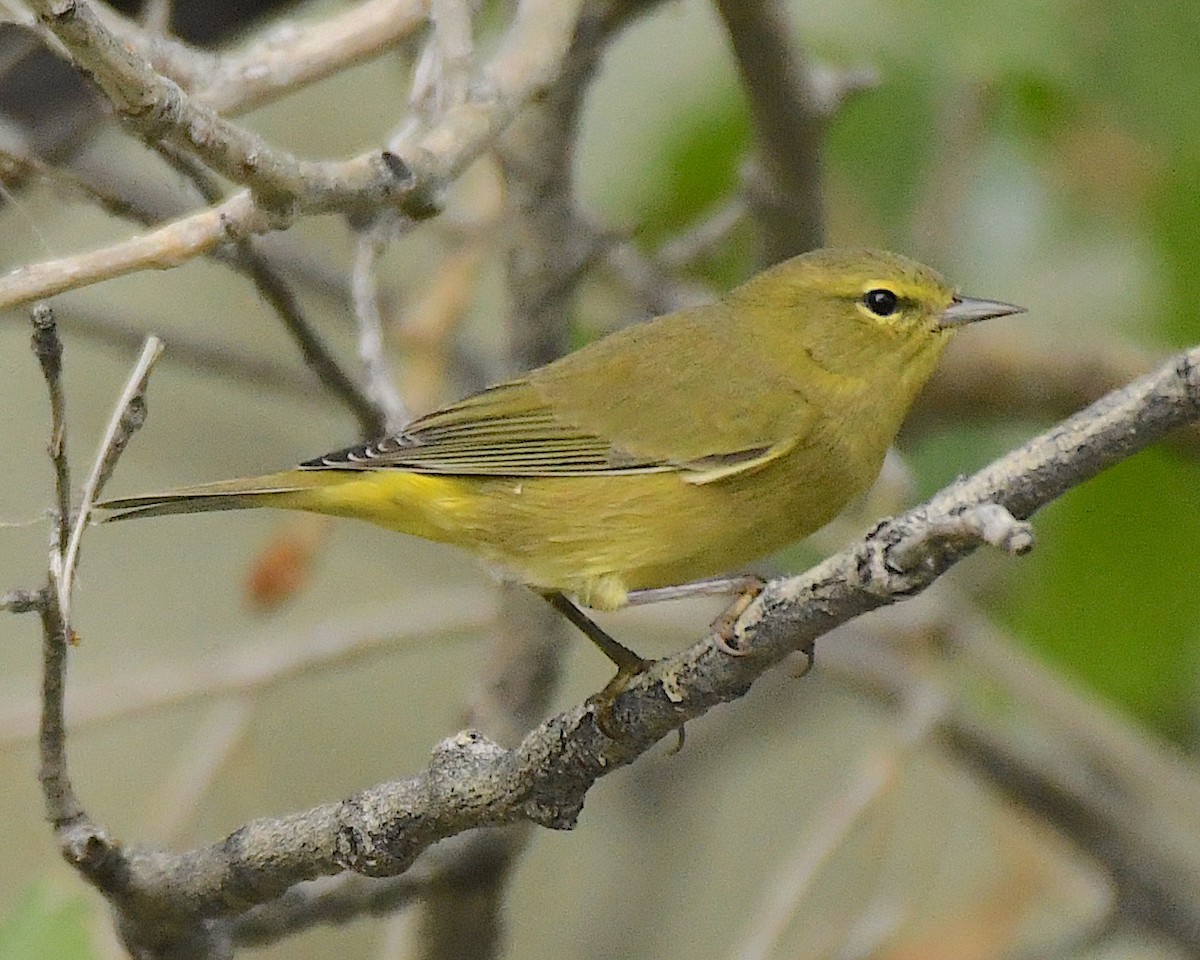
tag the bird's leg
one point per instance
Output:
(713, 587)
(746, 587)
(628, 663)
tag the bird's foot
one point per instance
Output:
(723, 626)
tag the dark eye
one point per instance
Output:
(881, 302)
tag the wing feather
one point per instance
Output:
(616, 407)
(506, 430)
(510, 431)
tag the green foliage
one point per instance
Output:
(1110, 593)
(699, 169)
(46, 925)
(1033, 107)
(1174, 210)
(880, 147)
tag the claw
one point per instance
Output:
(602, 702)
(722, 627)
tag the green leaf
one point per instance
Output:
(1110, 592)
(47, 925)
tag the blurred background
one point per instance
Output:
(1042, 152)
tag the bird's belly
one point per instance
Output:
(600, 537)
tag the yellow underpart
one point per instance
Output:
(423, 505)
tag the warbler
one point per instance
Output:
(663, 453)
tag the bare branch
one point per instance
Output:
(47, 347)
(287, 57)
(127, 418)
(406, 177)
(790, 102)
(161, 249)
(410, 175)
(381, 386)
(158, 109)
(62, 806)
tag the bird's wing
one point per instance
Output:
(511, 431)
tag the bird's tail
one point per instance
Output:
(272, 490)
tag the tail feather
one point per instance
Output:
(411, 503)
(205, 497)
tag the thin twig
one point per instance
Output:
(254, 668)
(704, 236)
(162, 249)
(62, 806)
(127, 418)
(442, 74)
(63, 809)
(19, 168)
(381, 385)
(247, 259)
(47, 347)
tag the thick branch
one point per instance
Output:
(409, 175)
(158, 109)
(289, 56)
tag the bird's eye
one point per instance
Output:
(881, 301)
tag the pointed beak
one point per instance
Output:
(964, 310)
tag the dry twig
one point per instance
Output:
(409, 176)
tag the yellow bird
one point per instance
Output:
(661, 454)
